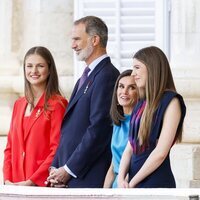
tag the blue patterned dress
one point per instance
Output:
(162, 177)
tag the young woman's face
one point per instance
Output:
(127, 93)
(140, 73)
(36, 71)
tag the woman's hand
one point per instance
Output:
(8, 183)
(25, 183)
(123, 183)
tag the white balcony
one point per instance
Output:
(22, 193)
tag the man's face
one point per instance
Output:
(81, 43)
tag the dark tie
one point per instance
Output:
(83, 77)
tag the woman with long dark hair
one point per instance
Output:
(124, 99)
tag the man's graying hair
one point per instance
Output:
(95, 26)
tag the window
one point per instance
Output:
(132, 24)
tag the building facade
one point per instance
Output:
(27, 23)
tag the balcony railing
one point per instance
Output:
(33, 193)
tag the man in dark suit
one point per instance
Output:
(83, 156)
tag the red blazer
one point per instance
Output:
(29, 152)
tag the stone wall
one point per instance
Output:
(25, 24)
(185, 62)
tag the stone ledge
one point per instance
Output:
(21, 192)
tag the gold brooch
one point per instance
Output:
(38, 113)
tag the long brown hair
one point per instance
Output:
(52, 86)
(159, 80)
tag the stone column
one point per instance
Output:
(48, 23)
(185, 62)
(25, 24)
(8, 69)
(7, 55)
(8, 64)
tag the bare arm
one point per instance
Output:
(124, 166)
(170, 123)
(110, 176)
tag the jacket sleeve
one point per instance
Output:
(7, 164)
(39, 177)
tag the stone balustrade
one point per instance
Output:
(34, 193)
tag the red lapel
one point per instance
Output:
(35, 115)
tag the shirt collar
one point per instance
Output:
(93, 64)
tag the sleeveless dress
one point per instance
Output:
(162, 177)
(118, 144)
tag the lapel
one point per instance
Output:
(86, 85)
(72, 95)
(35, 115)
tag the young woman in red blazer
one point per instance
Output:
(35, 126)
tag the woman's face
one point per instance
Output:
(140, 73)
(36, 71)
(127, 93)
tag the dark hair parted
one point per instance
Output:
(159, 80)
(52, 86)
(95, 26)
(116, 110)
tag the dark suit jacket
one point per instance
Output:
(87, 128)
